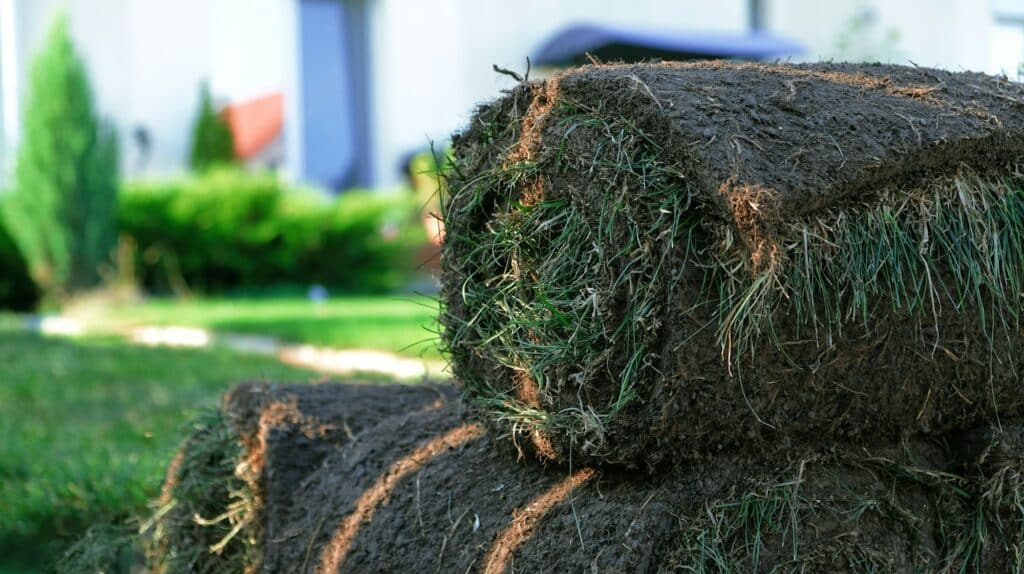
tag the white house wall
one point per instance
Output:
(432, 60)
(953, 34)
(418, 85)
(10, 121)
(147, 59)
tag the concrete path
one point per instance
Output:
(321, 359)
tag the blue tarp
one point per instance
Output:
(573, 42)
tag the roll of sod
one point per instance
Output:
(428, 488)
(650, 263)
(224, 492)
(367, 478)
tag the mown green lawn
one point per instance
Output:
(401, 324)
(87, 427)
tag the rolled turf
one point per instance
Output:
(225, 491)
(426, 489)
(650, 263)
(369, 478)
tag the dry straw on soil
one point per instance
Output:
(654, 262)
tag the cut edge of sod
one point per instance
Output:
(204, 520)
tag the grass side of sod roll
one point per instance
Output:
(916, 507)
(580, 268)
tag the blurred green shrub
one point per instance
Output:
(227, 230)
(17, 290)
(212, 142)
(62, 211)
(427, 172)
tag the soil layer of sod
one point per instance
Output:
(250, 456)
(647, 264)
(428, 491)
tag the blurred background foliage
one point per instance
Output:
(61, 212)
(226, 229)
(213, 144)
(68, 224)
(17, 290)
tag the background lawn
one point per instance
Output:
(401, 324)
(88, 427)
(89, 424)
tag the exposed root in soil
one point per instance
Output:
(203, 523)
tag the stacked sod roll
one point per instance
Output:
(321, 479)
(431, 488)
(228, 487)
(649, 263)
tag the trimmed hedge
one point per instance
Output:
(227, 229)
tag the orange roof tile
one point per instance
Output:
(255, 123)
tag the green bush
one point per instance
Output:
(227, 230)
(17, 290)
(62, 211)
(213, 144)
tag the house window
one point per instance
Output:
(335, 139)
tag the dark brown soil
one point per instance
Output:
(429, 492)
(921, 506)
(762, 147)
(266, 439)
(872, 385)
(287, 430)
(305, 422)
(804, 138)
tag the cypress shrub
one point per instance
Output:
(62, 212)
(212, 142)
